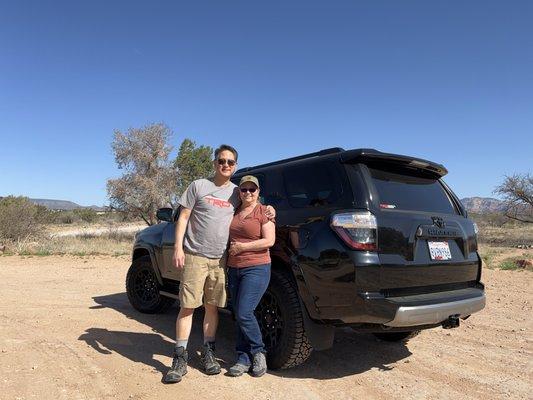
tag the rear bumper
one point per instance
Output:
(374, 310)
(436, 313)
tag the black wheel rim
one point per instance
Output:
(269, 317)
(145, 287)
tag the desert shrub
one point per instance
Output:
(494, 219)
(20, 219)
(66, 217)
(512, 234)
(508, 265)
(86, 215)
(81, 245)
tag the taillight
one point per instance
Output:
(357, 229)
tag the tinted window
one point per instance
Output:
(266, 195)
(407, 192)
(312, 185)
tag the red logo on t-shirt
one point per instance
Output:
(217, 202)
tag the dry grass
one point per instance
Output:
(111, 243)
(504, 257)
(498, 245)
(506, 236)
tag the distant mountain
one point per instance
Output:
(481, 205)
(63, 205)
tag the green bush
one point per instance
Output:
(66, 217)
(86, 214)
(20, 219)
(508, 265)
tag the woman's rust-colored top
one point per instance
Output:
(248, 229)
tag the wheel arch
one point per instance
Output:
(320, 335)
(141, 251)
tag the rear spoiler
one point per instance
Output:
(371, 155)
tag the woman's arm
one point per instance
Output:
(268, 237)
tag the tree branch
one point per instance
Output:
(518, 219)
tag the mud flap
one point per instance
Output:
(320, 336)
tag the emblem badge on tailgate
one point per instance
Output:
(438, 221)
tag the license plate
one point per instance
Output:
(439, 251)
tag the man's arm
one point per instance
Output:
(178, 260)
(270, 212)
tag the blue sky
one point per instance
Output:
(448, 81)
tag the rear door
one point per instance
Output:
(424, 241)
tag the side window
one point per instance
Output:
(312, 185)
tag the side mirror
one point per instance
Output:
(164, 214)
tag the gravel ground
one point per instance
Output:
(67, 331)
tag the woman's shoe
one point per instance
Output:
(238, 369)
(259, 365)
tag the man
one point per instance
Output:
(202, 230)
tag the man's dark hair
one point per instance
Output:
(223, 147)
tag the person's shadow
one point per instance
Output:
(352, 353)
(142, 347)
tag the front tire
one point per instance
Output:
(142, 288)
(280, 318)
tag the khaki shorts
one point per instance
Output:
(203, 281)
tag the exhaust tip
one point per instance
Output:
(452, 322)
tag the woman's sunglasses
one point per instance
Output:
(251, 190)
(223, 161)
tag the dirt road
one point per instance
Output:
(67, 331)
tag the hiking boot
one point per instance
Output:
(179, 366)
(259, 365)
(208, 360)
(238, 369)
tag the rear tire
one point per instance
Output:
(142, 288)
(396, 336)
(281, 321)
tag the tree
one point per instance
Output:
(192, 163)
(517, 193)
(150, 179)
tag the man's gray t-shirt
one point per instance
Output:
(212, 211)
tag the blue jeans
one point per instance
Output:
(247, 286)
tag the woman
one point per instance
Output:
(251, 235)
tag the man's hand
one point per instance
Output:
(270, 212)
(178, 260)
(236, 248)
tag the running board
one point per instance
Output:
(168, 294)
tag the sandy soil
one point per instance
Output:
(67, 331)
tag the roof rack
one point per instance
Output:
(324, 152)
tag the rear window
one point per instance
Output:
(407, 192)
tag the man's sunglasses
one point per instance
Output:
(223, 161)
(251, 190)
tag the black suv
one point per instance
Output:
(365, 239)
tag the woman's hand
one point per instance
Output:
(236, 248)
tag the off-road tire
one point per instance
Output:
(142, 288)
(280, 317)
(396, 336)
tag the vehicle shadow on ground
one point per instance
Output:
(352, 353)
